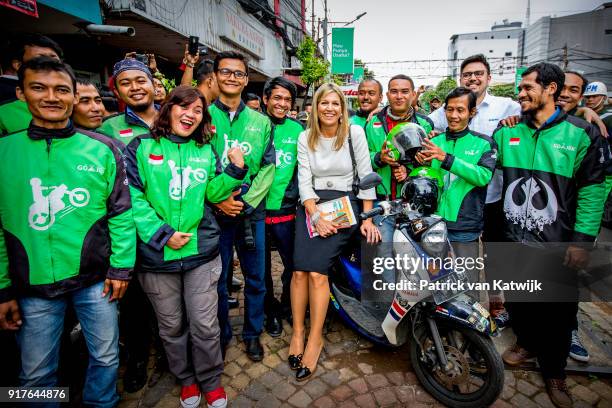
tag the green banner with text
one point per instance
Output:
(358, 74)
(342, 50)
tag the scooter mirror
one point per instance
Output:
(370, 181)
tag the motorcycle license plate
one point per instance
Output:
(450, 285)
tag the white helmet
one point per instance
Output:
(596, 88)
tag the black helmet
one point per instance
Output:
(405, 141)
(422, 194)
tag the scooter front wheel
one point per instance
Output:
(474, 376)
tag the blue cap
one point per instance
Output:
(129, 64)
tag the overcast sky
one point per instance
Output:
(395, 30)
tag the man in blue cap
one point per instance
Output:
(134, 86)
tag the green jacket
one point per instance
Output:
(65, 212)
(553, 180)
(253, 132)
(376, 133)
(467, 170)
(124, 126)
(14, 116)
(170, 180)
(359, 119)
(283, 196)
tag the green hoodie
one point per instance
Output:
(553, 180)
(14, 116)
(123, 126)
(284, 195)
(467, 170)
(251, 131)
(65, 212)
(170, 180)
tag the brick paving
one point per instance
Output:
(354, 373)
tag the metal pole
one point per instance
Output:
(325, 32)
(312, 33)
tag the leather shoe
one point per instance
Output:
(274, 326)
(135, 376)
(236, 284)
(558, 393)
(232, 302)
(254, 349)
(516, 355)
(295, 362)
(304, 373)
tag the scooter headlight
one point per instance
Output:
(434, 239)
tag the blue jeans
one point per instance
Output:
(252, 263)
(283, 235)
(39, 341)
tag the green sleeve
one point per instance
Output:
(590, 181)
(5, 281)
(497, 138)
(373, 150)
(222, 183)
(263, 180)
(478, 174)
(150, 228)
(120, 222)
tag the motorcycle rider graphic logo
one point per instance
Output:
(184, 178)
(229, 143)
(525, 213)
(283, 158)
(47, 208)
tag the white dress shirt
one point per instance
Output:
(490, 111)
(329, 169)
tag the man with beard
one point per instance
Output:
(369, 96)
(134, 86)
(557, 157)
(88, 112)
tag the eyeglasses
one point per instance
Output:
(226, 73)
(477, 74)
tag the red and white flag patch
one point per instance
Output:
(377, 125)
(213, 129)
(156, 159)
(126, 133)
(514, 141)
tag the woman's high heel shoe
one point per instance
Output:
(304, 372)
(295, 362)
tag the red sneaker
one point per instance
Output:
(190, 396)
(216, 398)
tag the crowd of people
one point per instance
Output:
(139, 204)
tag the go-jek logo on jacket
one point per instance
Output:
(229, 143)
(184, 178)
(49, 203)
(283, 158)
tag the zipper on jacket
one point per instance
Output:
(178, 146)
(535, 148)
(49, 209)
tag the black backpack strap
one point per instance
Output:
(354, 162)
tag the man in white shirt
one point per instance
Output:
(475, 74)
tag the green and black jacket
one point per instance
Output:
(360, 118)
(467, 170)
(284, 194)
(14, 116)
(553, 180)
(376, 133)
(123, 126)
(65, 212)
(170, 181)
(252, 131)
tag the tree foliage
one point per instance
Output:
(440, 91)
(505, 90)
(313, 68)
